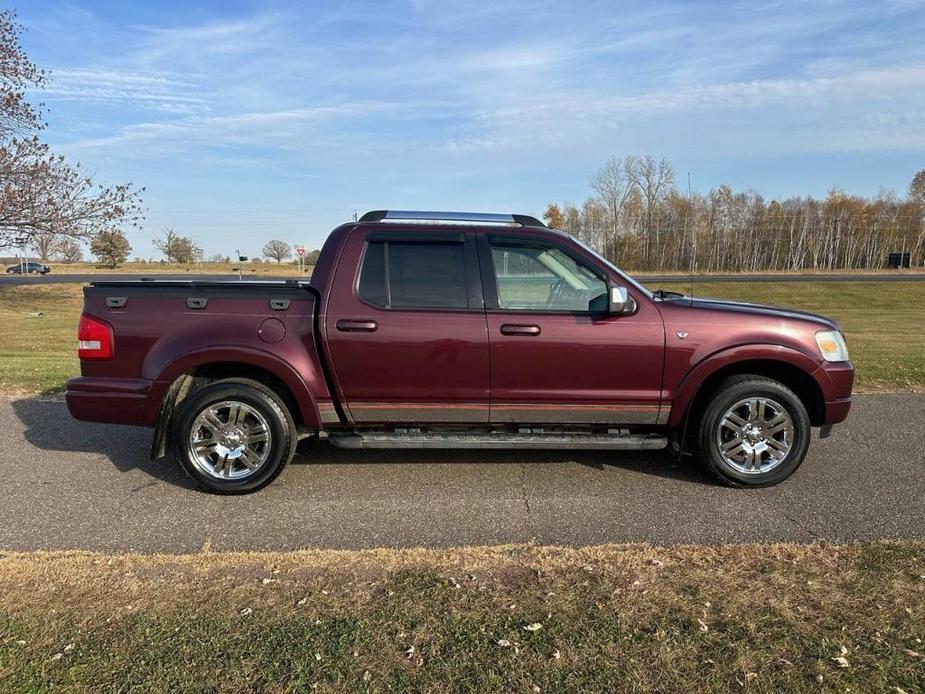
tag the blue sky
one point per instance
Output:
(255, 120)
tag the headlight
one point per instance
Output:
(832, 345)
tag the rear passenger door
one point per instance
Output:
(406, 331)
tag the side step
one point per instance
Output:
(420, 439)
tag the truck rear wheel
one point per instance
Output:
(754, 432)
(233, 436)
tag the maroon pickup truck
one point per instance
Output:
(454, 330)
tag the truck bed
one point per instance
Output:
(164, 328)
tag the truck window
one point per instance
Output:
(543, 278)
(413, 275)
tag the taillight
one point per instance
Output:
(94, 338)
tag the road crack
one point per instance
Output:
(523, 488)
(812, 533)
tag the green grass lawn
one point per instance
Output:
(883, 323)
(506, 619)
(37, 354)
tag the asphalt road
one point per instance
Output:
(54, 278)
(66, 484)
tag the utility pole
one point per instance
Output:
(354, 215)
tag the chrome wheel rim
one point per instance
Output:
(755, 435)
(229, 440)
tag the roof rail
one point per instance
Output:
(459, 217)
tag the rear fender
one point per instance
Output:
(298, 385)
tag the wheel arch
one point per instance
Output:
(789, 367)
(194, 372)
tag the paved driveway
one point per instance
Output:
(68, 484)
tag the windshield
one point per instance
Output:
(613, 267)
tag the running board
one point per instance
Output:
(382, 439)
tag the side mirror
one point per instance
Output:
(621, 303)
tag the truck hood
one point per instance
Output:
(757, 310)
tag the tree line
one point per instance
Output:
(639, 219)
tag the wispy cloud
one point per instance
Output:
(276, 129)
(158, 91)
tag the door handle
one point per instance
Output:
(346, 325)
(518, 329)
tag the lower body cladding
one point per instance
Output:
(504, 413)
(536, 438)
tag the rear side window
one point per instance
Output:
(414, 275)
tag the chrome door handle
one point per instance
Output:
(519, 329)
(356, 326)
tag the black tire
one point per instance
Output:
(718, 402)
(278, 450)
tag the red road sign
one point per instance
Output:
(300, 250)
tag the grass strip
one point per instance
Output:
(515, 618)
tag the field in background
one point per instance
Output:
(288, 268)
(205, 268)
(522, 618)
(882, 323)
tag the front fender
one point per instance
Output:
(696, 375)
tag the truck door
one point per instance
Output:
(557, 356)
(406, 329)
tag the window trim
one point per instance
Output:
(490, 277)
(473, 283)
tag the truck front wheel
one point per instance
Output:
(233, 436)
(754, 432)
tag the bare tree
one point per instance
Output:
(111, 247)
(69, 250)
(613, 185)
(167, 244)
(654, 180)
(277, 250)
(40, 192)
(44, 245)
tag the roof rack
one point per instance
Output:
(458, 217)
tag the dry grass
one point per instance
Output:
(748, 617)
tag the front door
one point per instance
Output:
(407, 334)
(557, 356)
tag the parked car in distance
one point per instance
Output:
(28, 269)
(451, 330)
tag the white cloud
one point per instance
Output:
(544, 121)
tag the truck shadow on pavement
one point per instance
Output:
(656, 463)
(49, 426)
